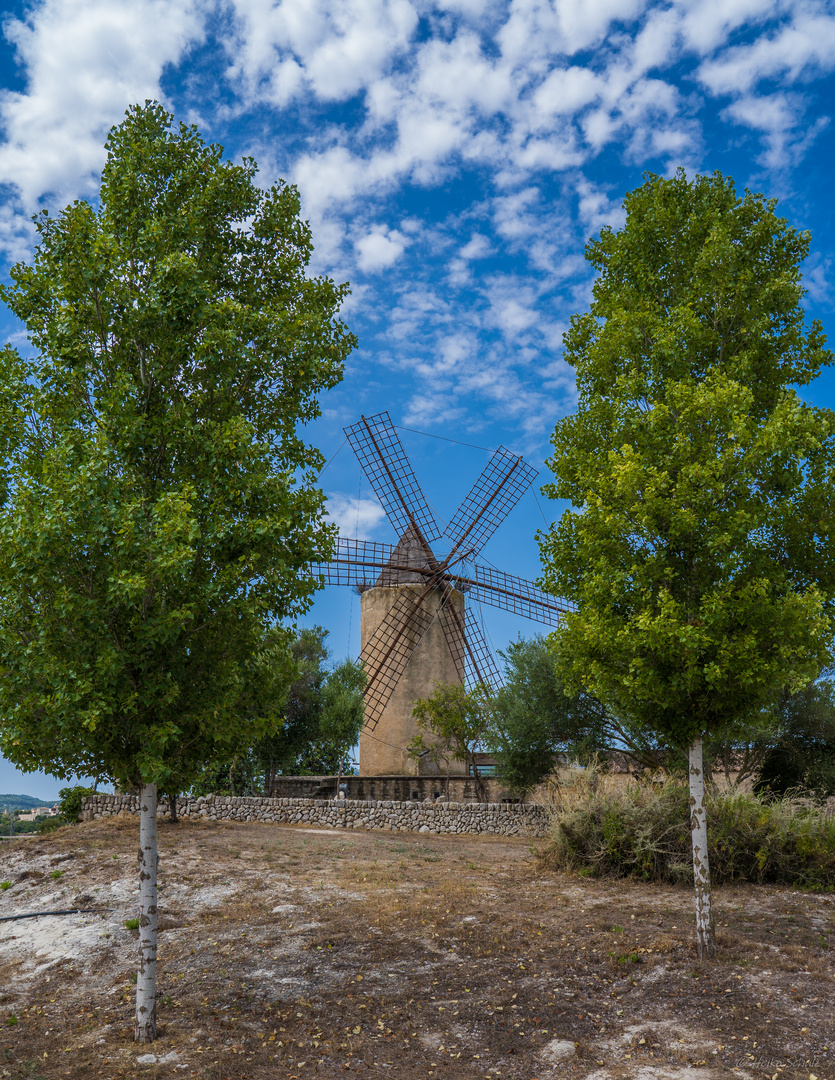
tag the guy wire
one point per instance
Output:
(457, 442)
(334, 455)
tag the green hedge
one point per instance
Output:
(645, 833)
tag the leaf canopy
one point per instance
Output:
(699, 550)
(160, 507)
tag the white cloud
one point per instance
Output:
(334, 48)
(17, 235)
(706, 24)
(565, 92)
(804, 48)
(512, 306)
(380, 249)
(478, 247)
(583, 24)
(778, 117)
(816, 274)
(85, 62)
(356, 518)
(596, 209)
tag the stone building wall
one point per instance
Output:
(461, 789)
(388, 814)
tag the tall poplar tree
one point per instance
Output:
(699, 547)
(160, 509)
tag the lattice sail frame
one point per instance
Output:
(364, 564)
(389, 472)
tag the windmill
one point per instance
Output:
(415, 628)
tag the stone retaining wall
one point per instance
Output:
(424, 817)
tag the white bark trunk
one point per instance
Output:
(146, 979)
(705, 929)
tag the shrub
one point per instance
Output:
(49, 824)
(69, 804)
(643, 831)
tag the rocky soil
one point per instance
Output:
(291, 952)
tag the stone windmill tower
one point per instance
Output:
(416, 628)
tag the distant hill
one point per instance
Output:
(23, 802)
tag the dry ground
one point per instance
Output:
(296, 953)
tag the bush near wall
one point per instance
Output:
(644, 832)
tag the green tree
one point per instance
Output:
(699, 547)
(319, 715)
(802, 756)
(321, 711)
(265, 677)
(452, 724)
(343, 714)
(160, 508)
(535, 724)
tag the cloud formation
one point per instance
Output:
(85, 61)
(357, 518)
(453, 157)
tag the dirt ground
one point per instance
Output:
(289, 952)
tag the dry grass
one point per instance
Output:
(299, 953)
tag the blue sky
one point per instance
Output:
(452, 159)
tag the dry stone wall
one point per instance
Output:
(423, 817)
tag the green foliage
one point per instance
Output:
(643, 832)
(5, 885)
(20, 827)
(452, 725)
(21, 802)
(320, 713)
(131, 924)
(534, 723)
(699, 552)
(240, 776)
(69, 802)
(803, 755)
(50, 824)
(343, 711)
(159, 510)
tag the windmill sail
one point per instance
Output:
(471, 653)
(515, 594)
(501, 485)
(388, 471)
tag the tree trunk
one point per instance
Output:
(146, 978)
(480, 789)
(705, 928)
(172, 808)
